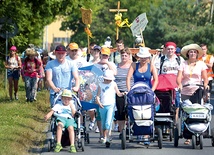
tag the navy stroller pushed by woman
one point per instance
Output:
(141, 110)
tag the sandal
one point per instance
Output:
(187, 142)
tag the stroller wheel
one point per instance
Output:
(212, 134)
(170, 134)
(160, 138)
(87, 138)
(201, 141)
(49, 145)
(176, 137)
(193, 141)
(82, 144)
(123, 139)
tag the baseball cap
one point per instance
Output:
(97, 48)
(170, 44)
(73, 46)
(105, 51)
(60, 48)
(13, 48)
(67, 93)
(178, 50)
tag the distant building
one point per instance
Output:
(53, 36)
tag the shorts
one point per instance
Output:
(14, 74)
(120, 114)
(66, 122)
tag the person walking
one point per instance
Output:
(143, 71)
(60, 72)
(13, 65)
(106, 100)
(192, 71)
(208, 59)
(169, 64)
(31, 69)
(120, 79)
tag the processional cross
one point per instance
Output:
(118, 10)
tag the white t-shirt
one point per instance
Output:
(60, 110)
(107, 95)
(80, 62)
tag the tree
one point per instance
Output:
(183, 26)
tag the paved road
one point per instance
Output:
(95, 148)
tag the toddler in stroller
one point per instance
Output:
(63, 118)
(141, 111)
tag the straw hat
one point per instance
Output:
(31, 51)
(186, 48)
(143, 52)
(108, 75)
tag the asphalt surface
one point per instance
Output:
(134, 148)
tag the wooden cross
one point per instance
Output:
(118, 10)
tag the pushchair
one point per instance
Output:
(165, 115)
(141, 110)
(195, 121)
(80, 132)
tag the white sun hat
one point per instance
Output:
(108, 75)
(144, 52)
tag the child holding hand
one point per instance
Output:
(107, 102)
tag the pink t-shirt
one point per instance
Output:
(191, 75)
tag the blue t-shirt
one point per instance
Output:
(143, 77)
(61, 73)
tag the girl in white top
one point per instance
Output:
(106, 101)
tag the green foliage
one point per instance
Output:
(22, 124)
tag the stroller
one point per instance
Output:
(195, 121)
(80, 134)
(141, 111)
(165, 115)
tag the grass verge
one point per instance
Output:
(22, 124)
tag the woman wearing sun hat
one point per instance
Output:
(191, 71)
(143, 70)
(13, 66)
(31, 68)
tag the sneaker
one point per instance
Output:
(116, 128)
(73, 149)
(146, 143)
(103, 140)
(16, 96)
(91, 125)
(108, 143)
(58, 147)
(97, 130)
(100, 140)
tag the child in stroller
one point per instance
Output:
(141, 111)
(64, 114)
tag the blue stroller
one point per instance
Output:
(80, 135)
(141, 111)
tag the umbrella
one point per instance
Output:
(166, 82)
(90, 77)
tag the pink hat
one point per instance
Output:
(13, 48)
(170, 44)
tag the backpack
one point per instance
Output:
(178, 59)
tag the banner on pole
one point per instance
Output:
(139, 24)
(86, 16)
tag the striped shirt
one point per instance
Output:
(120, 78)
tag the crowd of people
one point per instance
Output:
(121, 69)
